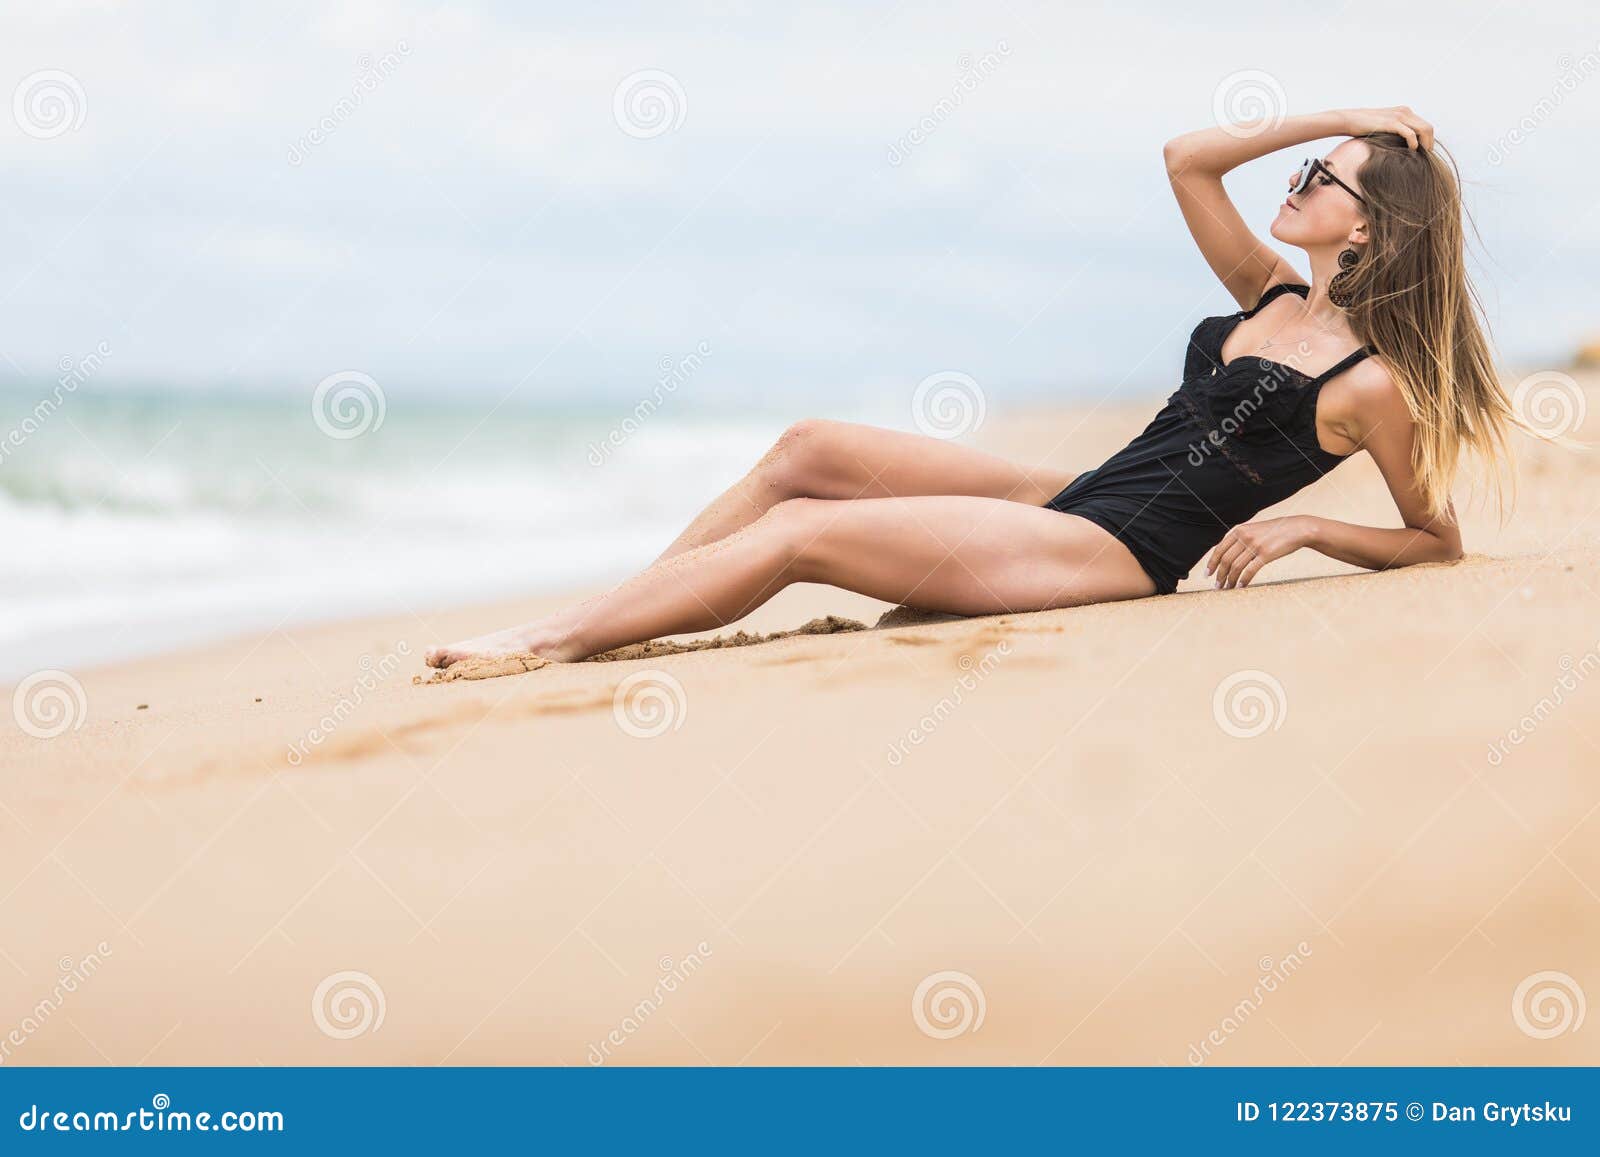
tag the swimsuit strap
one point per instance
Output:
(1277, 291)
(1342, 365)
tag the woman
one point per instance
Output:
(1379, 350)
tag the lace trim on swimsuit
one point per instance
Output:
(1221, 443)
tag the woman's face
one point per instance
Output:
(1322, 213)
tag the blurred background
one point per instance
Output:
(316, 310)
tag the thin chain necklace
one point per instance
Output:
(1268, 344)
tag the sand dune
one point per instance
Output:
(1333, 818)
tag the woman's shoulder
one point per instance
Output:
(1366, 397)
(1371, 382)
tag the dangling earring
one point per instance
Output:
(1339, 289)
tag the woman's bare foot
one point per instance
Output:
(527, 639)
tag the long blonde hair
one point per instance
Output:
(1417, 309)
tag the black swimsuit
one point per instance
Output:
(1233, 440)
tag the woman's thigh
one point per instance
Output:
(962, 555)
(839, 460)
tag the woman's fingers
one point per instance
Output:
(1418, 132)
(1239, 566)
(1226, 560)
(1235, 561)
(1218, 551)
(1425, 133)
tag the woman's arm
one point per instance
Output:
(1379, 548)
(1247, 548)
(1196, 162)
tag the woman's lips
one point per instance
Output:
(1290, 207)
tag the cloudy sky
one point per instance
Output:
(553, 198)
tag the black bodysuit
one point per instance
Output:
(1233, 440)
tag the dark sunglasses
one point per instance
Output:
(1309, 168)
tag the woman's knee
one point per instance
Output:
(800, 461)
(792, 527)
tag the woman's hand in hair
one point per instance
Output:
(1400, 119)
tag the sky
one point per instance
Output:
(548, 202)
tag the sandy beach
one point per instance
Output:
(1336, 818)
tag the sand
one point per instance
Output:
(1335, 818)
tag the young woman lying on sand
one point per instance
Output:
(1379, 350)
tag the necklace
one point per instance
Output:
(1269, 343)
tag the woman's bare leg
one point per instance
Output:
(957, 554)
(822, 459)
(819, 458)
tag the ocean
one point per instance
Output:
(137, 521)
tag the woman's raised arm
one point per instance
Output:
(1245, 264)
(1196, 161)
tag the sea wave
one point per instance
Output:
(136, 525)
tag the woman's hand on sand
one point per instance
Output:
(1399, 119)
(1248, 547)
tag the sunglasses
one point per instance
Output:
(1310, 168)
